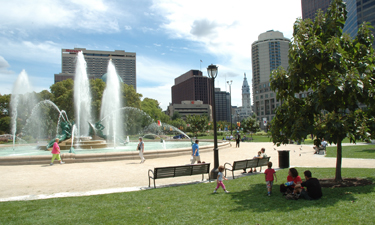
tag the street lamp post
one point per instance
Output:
(212, 73)
(230, 93)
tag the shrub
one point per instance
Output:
(261, 133)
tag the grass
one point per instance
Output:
(246, 203)
(360, 151)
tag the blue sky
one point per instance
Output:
(170, 37)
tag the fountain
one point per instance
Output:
(82, 97)
(81, 138)
(111, 103)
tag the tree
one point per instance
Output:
(44, 95)
(63, 96)
(179, 123)
(338, 74)
(198, 123)
(131, 97)
(176, 115)
(151, 107)
(4, 105)
(97, 87)
(250, 124)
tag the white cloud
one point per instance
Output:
(7, 77)
(90, 15)
(46, 51)
(227, 30)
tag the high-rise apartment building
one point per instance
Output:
(192, 85)
(269, 52)
(222, 105)
(97, 64)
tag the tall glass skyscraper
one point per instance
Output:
(359, 11)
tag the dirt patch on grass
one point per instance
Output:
(347, 182)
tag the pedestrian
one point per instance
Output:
(238, 139)
(56, 152)
(220, 177)
(141, 149)
(195, 152)
(270, 174)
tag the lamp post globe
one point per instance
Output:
(212, 71)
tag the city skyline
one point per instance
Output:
(169, 38)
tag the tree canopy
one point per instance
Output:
(336, 72)
(151, 107)
(250, 124)
(198, 123)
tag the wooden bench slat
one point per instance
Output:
(199, 169)
(164, 172)
(240, 164)
(248, 163)
(176, 171)
(252, 163)
(183, 171)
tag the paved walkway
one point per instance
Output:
(79, 179)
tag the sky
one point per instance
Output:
(170, 37)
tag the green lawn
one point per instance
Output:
(246, 203)
(360, 151)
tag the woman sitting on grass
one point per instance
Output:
(292, 180)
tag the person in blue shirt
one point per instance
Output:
(195, 155)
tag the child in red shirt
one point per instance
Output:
(269, 175)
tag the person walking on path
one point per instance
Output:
(220, 177)
(238, 139)
(195, 155)
(270, 174)
(141, 148)
(56, 152)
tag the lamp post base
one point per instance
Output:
(213, 174)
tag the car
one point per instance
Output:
(180, 136)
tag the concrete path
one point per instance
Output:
(29, 182)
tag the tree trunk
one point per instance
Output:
(338, 177)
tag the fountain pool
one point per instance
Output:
(25, 155)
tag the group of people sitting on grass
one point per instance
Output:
(294, 188)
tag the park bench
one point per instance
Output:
(178, 171)
(245, 164)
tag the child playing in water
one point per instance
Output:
(56, 152)
(220, 177)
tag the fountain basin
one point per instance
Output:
(106, 156)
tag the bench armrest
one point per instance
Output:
(149, 177)
(225, 169)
